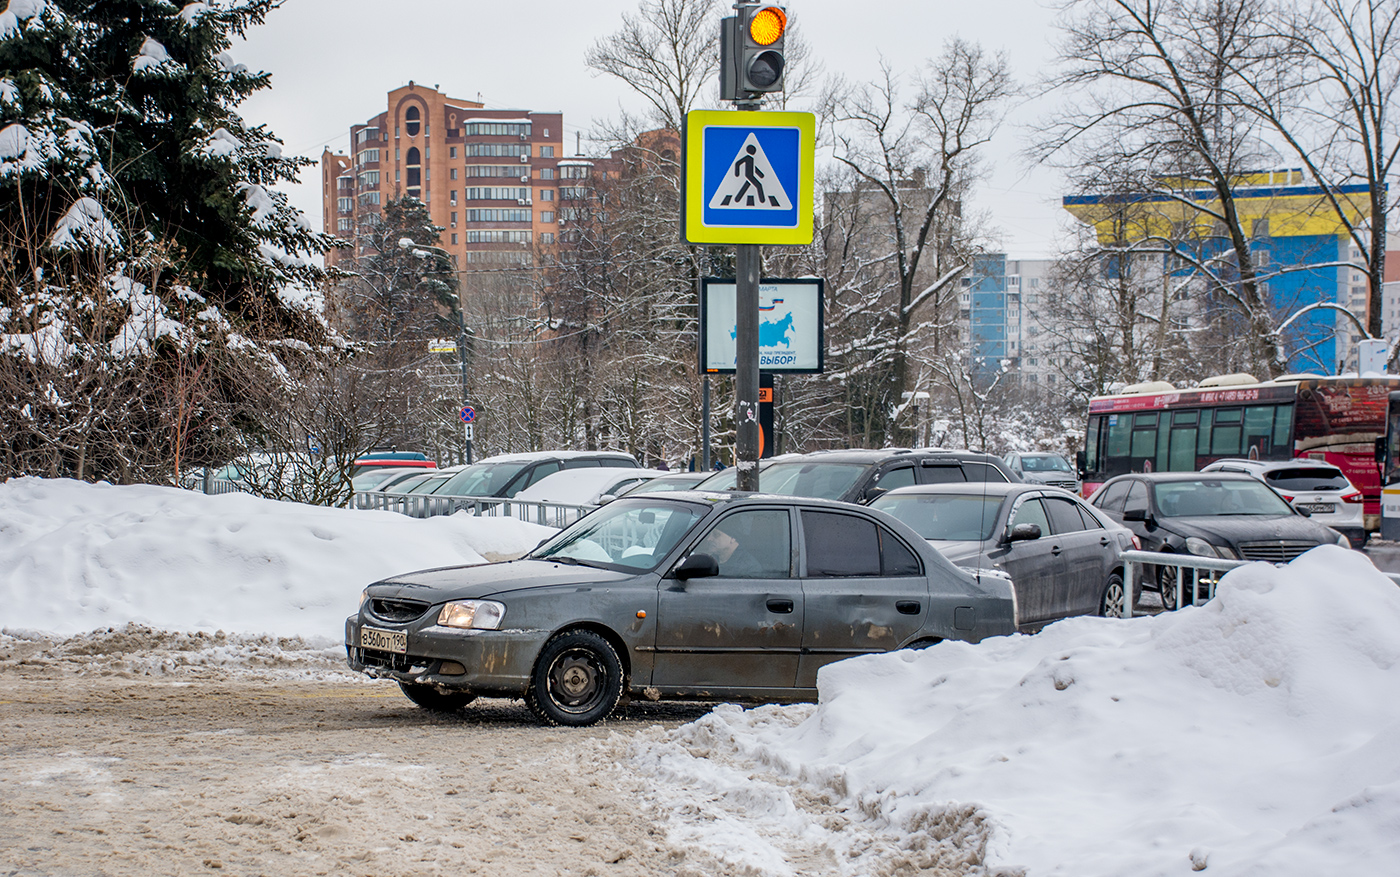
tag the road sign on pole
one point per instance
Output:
(749, 177)
(468, 414)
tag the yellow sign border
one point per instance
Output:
(693, 228)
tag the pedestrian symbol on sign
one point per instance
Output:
(751, 183)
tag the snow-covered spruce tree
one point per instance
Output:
(148, 268)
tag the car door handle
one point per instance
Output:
(1103, 540)
(907, 607)
(1055, 550)
(780, 606)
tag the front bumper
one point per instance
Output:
(489, 662)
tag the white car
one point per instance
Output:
(593, 486)
(1315, 487)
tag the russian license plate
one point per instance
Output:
(384, 640)
(1317, 508)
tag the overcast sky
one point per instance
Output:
(333, 61)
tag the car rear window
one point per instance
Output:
(1307, 478)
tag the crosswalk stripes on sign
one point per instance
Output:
(751, 183)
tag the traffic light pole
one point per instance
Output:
(747, 262)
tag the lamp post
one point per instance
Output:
(424, 251)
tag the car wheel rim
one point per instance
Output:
(1166, 583)
(1113, 601)
(575, 681)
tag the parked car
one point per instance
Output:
(1062, 554)
(861, 475)
(586, 487)
(667, 483)
(508, 474)
(394, 459)
(1051, 469)
(686, 595)
(1312, 486)
(381, 478)
(1208, 514)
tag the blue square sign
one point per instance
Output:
(748, 177)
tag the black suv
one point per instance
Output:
(860, 475)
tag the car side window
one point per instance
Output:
(901, 477)
(581, 464)
(751, 544)
(1064, 517)
(1090, 522)
(943, 474)
(840, 545)
(896, 558)
(1137, 497)
(542, 471)
(1031, 512)
(982, 472)
(1113, 496)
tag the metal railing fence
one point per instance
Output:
(548, 514)
(1204, 573)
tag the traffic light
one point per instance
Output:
(751, 48)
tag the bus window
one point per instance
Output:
(1091, 446)
(1120, 432)
(1203, 437)
(1283, 431)
(1258, 432)
(1181, 456)
(1225, 436)
(1144, 447)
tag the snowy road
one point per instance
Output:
(248, 775)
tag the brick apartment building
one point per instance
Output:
(490, 178)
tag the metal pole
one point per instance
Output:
(747, 269)
(462, 361)
(705, 425)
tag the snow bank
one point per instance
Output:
(1258, 734)
(75, 557)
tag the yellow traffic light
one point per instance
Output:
(767, 25)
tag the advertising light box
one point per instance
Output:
(790, 329)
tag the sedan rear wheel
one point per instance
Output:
(1166, 587)
(1111, 605)
(430, 698)
(577, 680)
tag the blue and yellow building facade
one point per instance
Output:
(1299, 245)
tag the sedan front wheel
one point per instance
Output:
(577, 680)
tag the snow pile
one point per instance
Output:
(75, 557)
(1258, 734)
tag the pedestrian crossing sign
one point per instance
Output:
(748, 177)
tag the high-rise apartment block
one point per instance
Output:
(490, 178)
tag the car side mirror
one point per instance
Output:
(696, 566)
(874, 492)
(1139, 515)
(1304, 512)
(1024, 533)
(606, 498)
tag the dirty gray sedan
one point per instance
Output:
(700, 596)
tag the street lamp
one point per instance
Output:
(425, 251)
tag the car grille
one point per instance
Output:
(398, 611)
(1067, 485)
(385, 660)
(1279, 551)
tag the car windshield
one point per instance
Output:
(624, 535)
(373, 478)
(952, 518)
(663, 485)
(1183, 499)
(483, 479)
(1044, 463)
(1307, 478)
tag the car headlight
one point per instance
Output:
(1202, 548)
(472, 614)
(364, 595)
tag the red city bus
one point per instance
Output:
(1155, 427)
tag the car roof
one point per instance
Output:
(1157, 477)
(581, 485)
(533, 456)
(738, 497)
(1270, 465)
(867, 455)
(971, 488)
